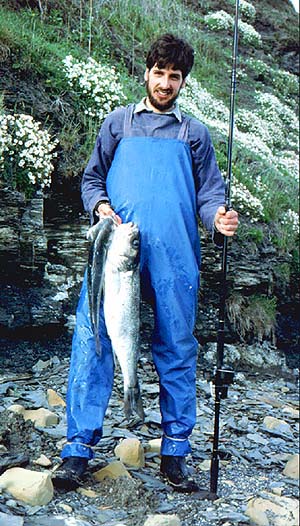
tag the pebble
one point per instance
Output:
(256, 464)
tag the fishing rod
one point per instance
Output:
(223, 376)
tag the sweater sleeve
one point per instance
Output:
(210, 187)
(93, 184)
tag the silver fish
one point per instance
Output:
(99, 235)
(122, 309)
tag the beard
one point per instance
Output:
(160, 106)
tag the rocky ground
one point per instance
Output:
(259, 435)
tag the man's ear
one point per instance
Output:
(183, 83)
(146, 75)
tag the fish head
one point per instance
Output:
(124, 249)
(105, 223)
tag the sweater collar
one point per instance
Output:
(141, 106)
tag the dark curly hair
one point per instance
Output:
(169, 50)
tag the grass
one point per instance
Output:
(253, 317)
(34, 45)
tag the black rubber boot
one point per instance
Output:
(175, 470)
(70, 473)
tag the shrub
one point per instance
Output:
(222, 21)
(247, 10)
(291, 221)
(97, 86)
(198, 101)
(246, 203)
(282, 121)
(219, 21)
(249, 35)
(249, 122)
(272, 109)
(26, 153)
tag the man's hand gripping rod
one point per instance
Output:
(223, 377)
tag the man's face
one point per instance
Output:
(163, 86)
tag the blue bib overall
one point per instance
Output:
(151, 183)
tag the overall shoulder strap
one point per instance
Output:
(184, 129)
(128, 119)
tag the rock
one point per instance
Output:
(270, 400)
(273, 510)
(34, 488)
(17, 408)
(232, 353)
(278, 426)
(261, 355)
(205, 465)
(291, 412)
(54, 399)
(43, 461)
(10, 520)
(114, 470)
(88, 493)
(8, 460)
(277, 491)
(130, 451)
(65, 507)
(40, 417)
(154, 446)
(162, 520)
(292, 467)
(40, 365)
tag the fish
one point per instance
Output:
(121, 307)
(99, 236)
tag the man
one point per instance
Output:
(156, 167)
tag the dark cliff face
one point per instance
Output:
(42, 263)
(43, 256)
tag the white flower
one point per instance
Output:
(249, 35)
(247, 10)
(247, 203)
(27, 159)
(223, 21)
(95, 84)
(219, 21)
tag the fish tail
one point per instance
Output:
(133, 403)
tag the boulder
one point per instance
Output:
(113, 470)
(154, 446)
(276, 425)
(273, 510)
(33, 487)
(292, 467)
(40, 417)
(54, 399)
(130, 451)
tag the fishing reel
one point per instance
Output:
(220, 380)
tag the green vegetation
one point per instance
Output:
(35, 41)
(253, 316)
